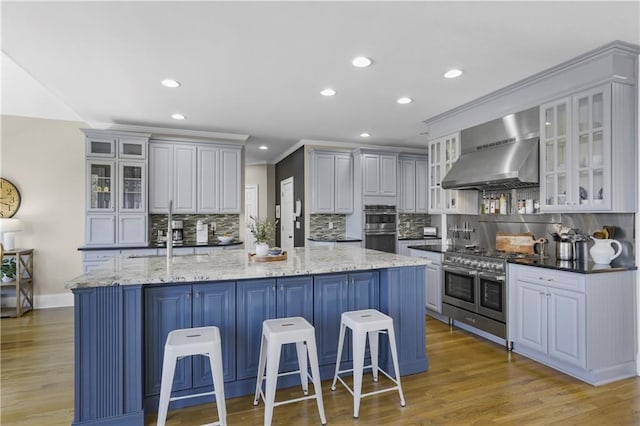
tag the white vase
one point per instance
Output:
(262, 249)
(6, 279)
(602, 252)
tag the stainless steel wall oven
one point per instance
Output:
(380, 225)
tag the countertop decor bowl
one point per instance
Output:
(275, 251)
(224, 239)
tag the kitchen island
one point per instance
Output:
(125, 309)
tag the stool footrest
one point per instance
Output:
(396, 387)
(177, 398)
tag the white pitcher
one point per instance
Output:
(602, 252)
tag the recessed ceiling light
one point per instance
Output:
(328, 92)
(177, 116)
(364, 135)
(404, 100)
(453, 73)
(361, 62)
(169, 82)
(263, 147)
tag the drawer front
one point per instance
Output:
(551, 278)
(99, 254)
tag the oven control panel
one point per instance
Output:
(478, 263)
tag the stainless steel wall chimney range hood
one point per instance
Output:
(502, 153)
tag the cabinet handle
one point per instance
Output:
(197, 294)
(548, 294)
(542, 293)
(189, 295)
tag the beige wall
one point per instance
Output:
(264, 176)
(45, 160)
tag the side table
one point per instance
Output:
(23, 283)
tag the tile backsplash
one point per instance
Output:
(226, 224)
(410, 224)
(319, 226)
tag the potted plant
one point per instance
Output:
(263, 231)
(8, 269)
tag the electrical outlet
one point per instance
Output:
(297, 225)
(330, 225)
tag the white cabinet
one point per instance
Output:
(585, 147)
(230, 180)
(433, 278)
(116, 188)
(413, 185)
(200, 178)
(331, 182)
(379, 174)
(443, 152)
(571, 321)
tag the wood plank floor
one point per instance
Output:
(470, 382)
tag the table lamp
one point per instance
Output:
(8, 228)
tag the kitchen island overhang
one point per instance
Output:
(124, 310)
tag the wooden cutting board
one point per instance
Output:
(516, 243)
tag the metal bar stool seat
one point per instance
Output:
(192, 341)
(367, 323)
(278, 332)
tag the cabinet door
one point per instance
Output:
(256, 302)
(435, 176)
(101, 147)
(330, 301)
(451, 152)
(101, 178)
(184, 179)
(555, 155)
(165, 309)
(160, 177)
(134, 148)
(132, 187)
(433, 288)
(407, 200)
(592, 154)
(364, 290)
(371, 174)
(388, 174)
(132, 229)
(343, 184)
(208, 180)
(215, 305)
(421, 188)
(294, 299)
(323, 183)
(230, 173)
(567, 326)
(100, 229)
(531, 316)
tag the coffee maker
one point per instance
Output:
(178, 234)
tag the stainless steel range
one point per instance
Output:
(475, 290)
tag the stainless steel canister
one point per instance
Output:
(581, 251)
(564, 250)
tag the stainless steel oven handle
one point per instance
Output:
(459, 270)
(492, 277)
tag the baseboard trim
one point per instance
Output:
(44, 301)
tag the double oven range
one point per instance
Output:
(475, 290)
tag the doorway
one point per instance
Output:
(286, 213)
(250, 210)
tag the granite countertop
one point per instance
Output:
(573, 266)
(235, 265)
(154, 245)
(418, 237)
(335, 240)
(437, 248)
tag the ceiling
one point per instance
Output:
(256, 68)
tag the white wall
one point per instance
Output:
(264, 176)
(45, 159)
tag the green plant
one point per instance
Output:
(9, 267)
(262, 230)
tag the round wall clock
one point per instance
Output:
(9, 198)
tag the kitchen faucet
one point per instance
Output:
(169, 233)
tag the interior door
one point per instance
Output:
(250, 210)
(286, 213)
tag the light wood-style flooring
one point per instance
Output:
(470, 381)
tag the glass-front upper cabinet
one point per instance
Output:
(132, 183)
(451, 154)
(132, 148)
(435, 171)
(575, 150)
(101, 147)
(554, 142)
(101, 178)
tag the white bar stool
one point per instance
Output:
(192, 341)
(278, 332)
(367, 322)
